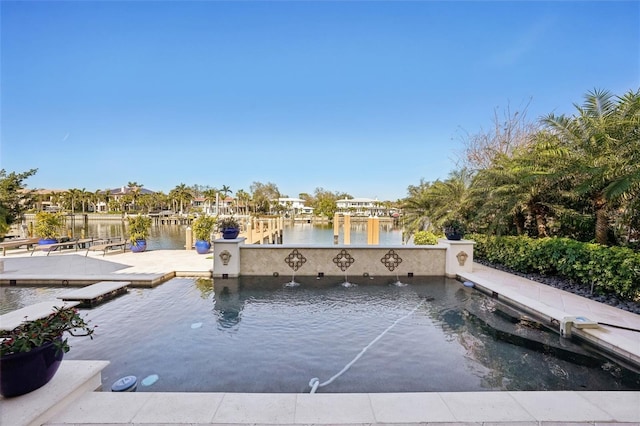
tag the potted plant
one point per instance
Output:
(230, 227)
(202, 228)
(31, 353)
(139, 227)
(453, 229)
(48, 226)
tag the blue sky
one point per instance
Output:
(363, 97)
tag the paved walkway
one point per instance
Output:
(463, 408)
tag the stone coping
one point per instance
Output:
(13, 319)
(70, 399)
(73, 379)
(94, 290)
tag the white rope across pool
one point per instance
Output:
(315, 382)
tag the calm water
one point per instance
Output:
(258, 335)
(173, 236)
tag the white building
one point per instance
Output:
(295, 205)
(361, 207)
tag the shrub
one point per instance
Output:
(425, 238)
(203, 226)
(607, 269)
(48, 224)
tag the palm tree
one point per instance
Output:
(416, 207)
(224, 192)
(72, 195)
(134, 188)
(181, 195)
(242, 199)
(209, 196)
(603, 154)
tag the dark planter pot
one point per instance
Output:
(24, 372)
(139, 246)
(202, 247)
(230, 233)
(452, 234)
(44, 241)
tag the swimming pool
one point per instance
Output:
(259, 335)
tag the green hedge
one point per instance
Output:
(425, 238)
(608, 269)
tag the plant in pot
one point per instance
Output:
(453, 229)
(139, 227)
(202, 228)
(48, 226)
(230, 227)
(31, 353)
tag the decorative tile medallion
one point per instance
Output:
(391, 260)
(295, 260)
(343, 260)
(225, 256)
(462, 258)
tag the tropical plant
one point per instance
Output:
(202, 227)
(425, 238)
(228, 222)
(454, 226)
(48, 224)
(32, 334)
(600, 150)
(139, 227)
(181, 195)
(13, 198)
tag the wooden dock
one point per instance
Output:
(263, 230)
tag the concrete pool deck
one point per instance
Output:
(69, 400)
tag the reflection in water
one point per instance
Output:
(227, 303)
(253, 334)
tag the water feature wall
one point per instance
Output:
(234, 258)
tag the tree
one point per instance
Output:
(242, 200)
(181, 195)
(324, 203)
(224, 192)
(508, 132)
(13, 197)
(262, 194)
(602, 151)
(416, 207)
(520, 186)
(210, 196)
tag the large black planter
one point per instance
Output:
(24, 372)
(230, 233)
(452, 234)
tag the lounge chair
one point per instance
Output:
(73, 243)
(28, 242)
(109, 245)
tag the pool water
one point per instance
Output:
(262, 335)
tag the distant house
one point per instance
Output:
(361, 207)
(117, 194)
(46, 199)
(295, 206)
(224, 206)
